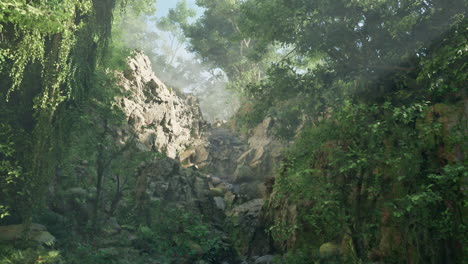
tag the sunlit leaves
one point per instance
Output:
(32, 31)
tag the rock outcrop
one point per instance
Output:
(210, 171)
(163, 120)
(241, 173)
(163, 179)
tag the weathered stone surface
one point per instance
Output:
(244, 173)
(250, 208)
(220, 204)
(216, 180)
(252, 190)
(163, 120)
(163, 179)
(285, 212)
(216, 153)
(246, 229)
(264, 151)
(329, 250)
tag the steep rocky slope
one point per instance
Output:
(241, 172)
(235, 174)
(163, 120)
(210, 170)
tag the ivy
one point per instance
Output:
(369, 154)
(32, 32)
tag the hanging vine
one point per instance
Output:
(26, 42)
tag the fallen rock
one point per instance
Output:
(251, 190)
(329, 250)
(215, 180)
(220, 204)
(252, 207)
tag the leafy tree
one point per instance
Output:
(218, 38)
(173, 24)
(357, 37)
(356, 82)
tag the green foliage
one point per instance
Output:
(31, 34)
(435, 205)
(219, 39)
(376, 90)
(444, 72)
(176, 235)
(45, 62)
(175, 20)
(10, 255)
(368, 155)
(356, 36)
(12, 175)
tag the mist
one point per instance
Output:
(163, 41)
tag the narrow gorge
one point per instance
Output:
(233, 132)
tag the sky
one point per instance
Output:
(162, 9)
(163, 6)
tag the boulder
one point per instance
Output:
(215, 180)
(329, 249)
(186, 158)
(201, 155)
(163, 179)
(220, 204)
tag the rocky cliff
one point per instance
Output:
(241, 172)
(210, 170)
(163, 120)
(201, 169)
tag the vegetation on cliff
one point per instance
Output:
(374, 96)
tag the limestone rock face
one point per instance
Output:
(236, 169)
(240, 171)
(162, 120)
(164, 179)
(227, 156)
(247, 231)
(263, 153)
(216, 153)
